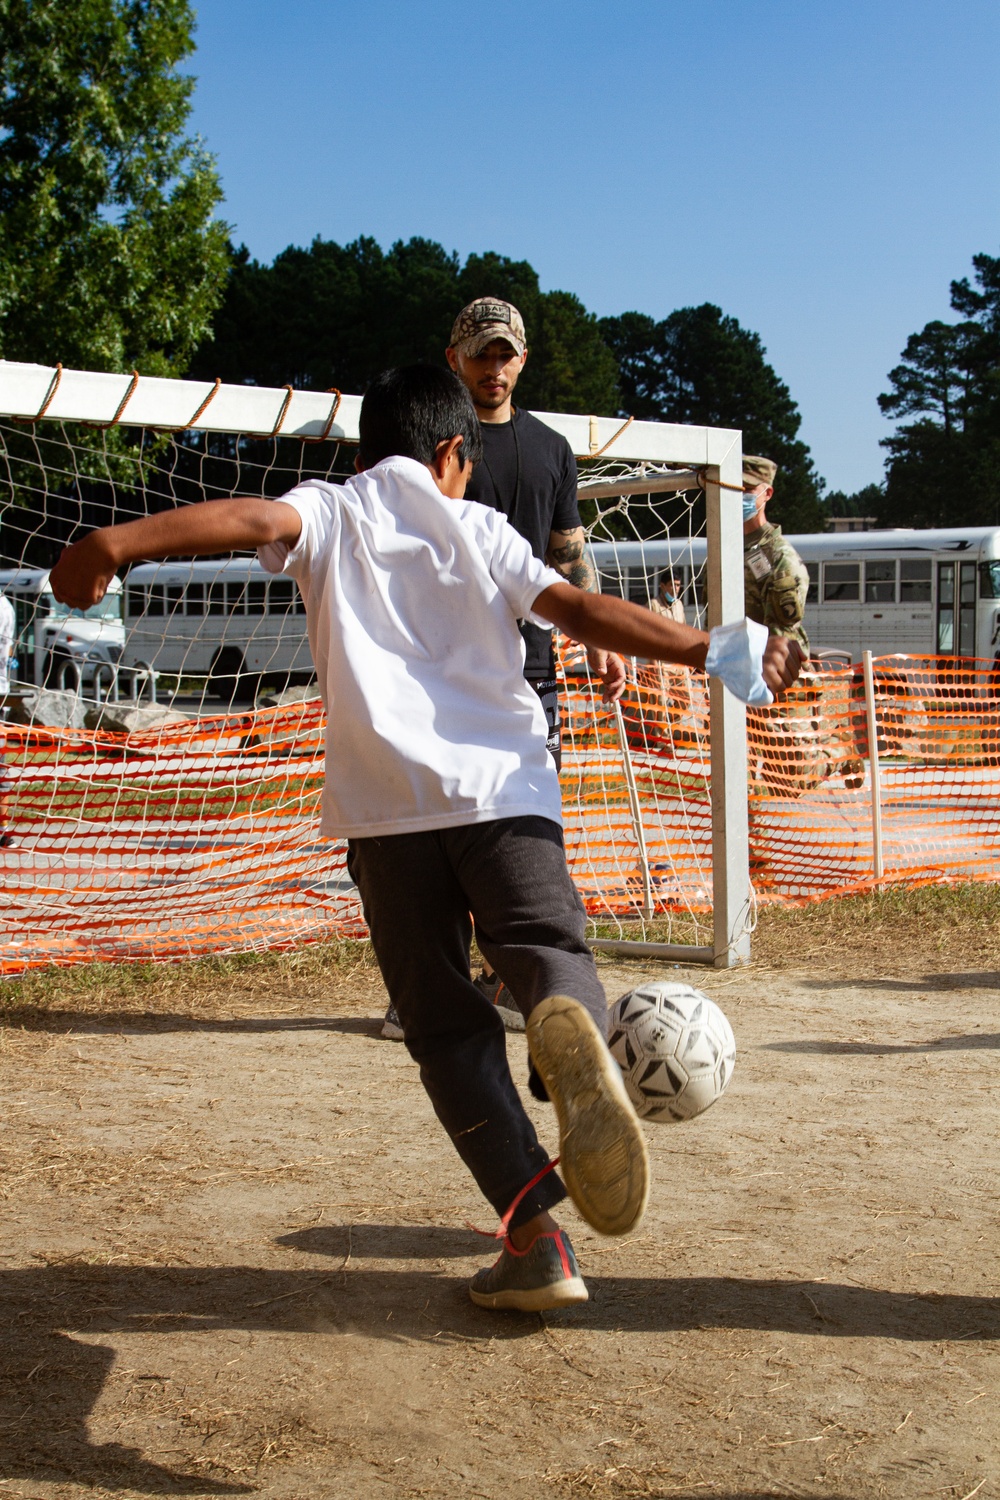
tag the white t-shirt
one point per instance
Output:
(8, 630)
(412, 601)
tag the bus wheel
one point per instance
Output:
(227, 678)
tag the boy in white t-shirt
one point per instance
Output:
(438, 776)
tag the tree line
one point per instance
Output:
(113, 256)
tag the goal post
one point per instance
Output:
(622, 462)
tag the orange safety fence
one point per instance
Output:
(203, 837)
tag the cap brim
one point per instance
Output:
(477, 342)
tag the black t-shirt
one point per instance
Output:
(528, 472)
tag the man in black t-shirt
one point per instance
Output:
(529, 473)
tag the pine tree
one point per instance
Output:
(700, 366)
(944, 466)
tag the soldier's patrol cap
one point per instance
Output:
(484, 320)
(758, 471)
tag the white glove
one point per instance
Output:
(736, 656)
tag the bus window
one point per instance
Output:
(175, 596)
(880, 582)
(236, 596)
(300, 603)
(946, 608)
(967, 609)
(989, 580)
(154, 604)
(812, 595)
(217, 598)
(914, 582)
(195, 600)
(280, 597)
(255, 597)
(612, 581)
(841, 581)
(136, 599)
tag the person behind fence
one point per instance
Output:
(438, 776)
(775, 580)
(8, 633)
(669, 598)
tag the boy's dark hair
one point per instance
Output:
(411, 410)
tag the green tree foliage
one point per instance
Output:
(110, 255)
(702, 367)
(334, 315)
(944, 465)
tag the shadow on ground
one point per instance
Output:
(49, 1379)
(979, 980)
(139, 1023)
(972, 1042)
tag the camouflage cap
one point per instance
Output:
(758, 471)
(484, 320)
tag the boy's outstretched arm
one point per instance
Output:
(82, 574)
(606, 621)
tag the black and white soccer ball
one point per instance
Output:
(675, 1048)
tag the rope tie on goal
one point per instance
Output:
(193, 419)
(594, 451)
(130, 392)
(703, 480)
(330, 419)
(49, 395)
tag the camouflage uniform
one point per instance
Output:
(775, 583)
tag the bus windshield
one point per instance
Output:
(110, 608)
(989, 580)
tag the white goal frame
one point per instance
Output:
(710, 457)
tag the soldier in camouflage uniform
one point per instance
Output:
(775, 581)
(798, 755)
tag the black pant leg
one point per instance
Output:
(530, 921)
(418, 916)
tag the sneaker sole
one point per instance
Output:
(512, 1019)
(391, 1033)
(601, 1145)
(535, 1299)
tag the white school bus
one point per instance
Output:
(902, 592)
(230, 625)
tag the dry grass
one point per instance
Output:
(891, 932)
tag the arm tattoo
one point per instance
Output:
(565, 554)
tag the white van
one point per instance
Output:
(51, 639)
(229, 625)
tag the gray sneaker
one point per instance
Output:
(544, 1275)
(499, 995)
(392, 1031)
(602, 1149)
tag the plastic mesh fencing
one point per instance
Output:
(202, 838)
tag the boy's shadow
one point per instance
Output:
(50, 1381)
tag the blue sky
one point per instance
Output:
(820, 170)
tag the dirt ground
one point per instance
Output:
(234, 1259)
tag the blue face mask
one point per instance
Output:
(749, 507)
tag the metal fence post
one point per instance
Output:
(873, 762)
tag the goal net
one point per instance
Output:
(164, 751)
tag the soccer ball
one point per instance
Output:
(675, 1048)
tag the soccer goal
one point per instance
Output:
(164, 751)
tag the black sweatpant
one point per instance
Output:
(418, 890)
